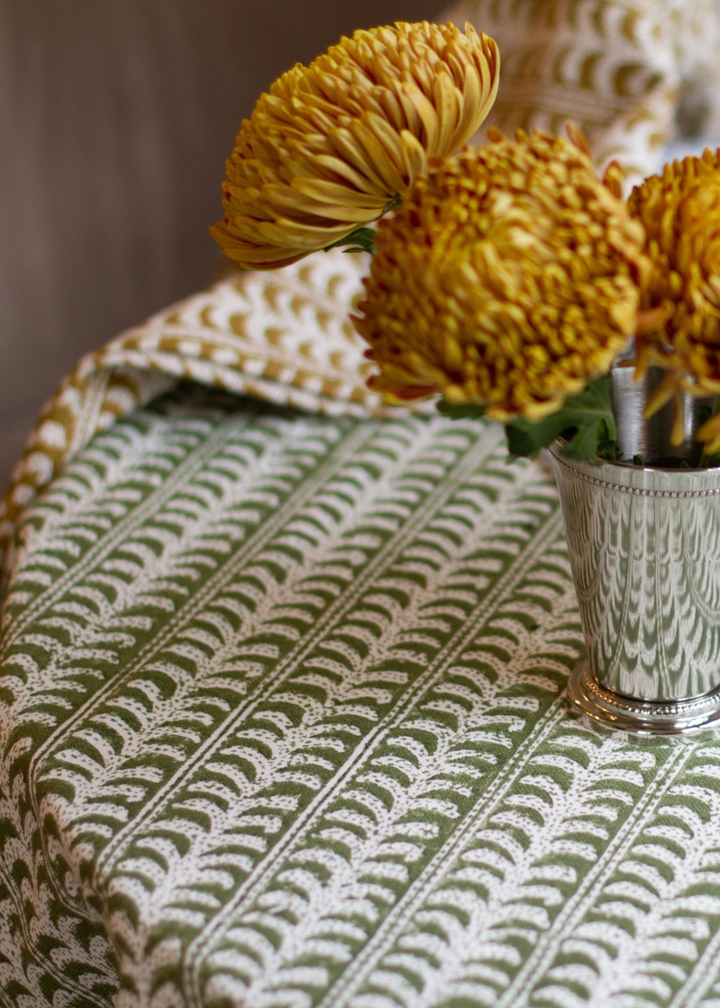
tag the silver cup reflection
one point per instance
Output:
(645, 553)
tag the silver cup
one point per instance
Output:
(645, 553)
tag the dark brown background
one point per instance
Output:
(115, 120)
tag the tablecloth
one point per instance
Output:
(284, 725)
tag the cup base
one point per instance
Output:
(641, 717)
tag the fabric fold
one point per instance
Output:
(284, 337)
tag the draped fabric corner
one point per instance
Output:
(283, 337)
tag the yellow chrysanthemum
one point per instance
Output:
(333, 143)
(680, 211)
(508, 277)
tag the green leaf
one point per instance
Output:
(460, 411)
(609, 450)
(709, 461)
(586, 423)
(361, 240)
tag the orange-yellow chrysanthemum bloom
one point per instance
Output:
(334, 143)
(680, 211)
(508, 277)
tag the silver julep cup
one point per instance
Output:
(644, 548)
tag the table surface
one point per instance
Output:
(283, 725)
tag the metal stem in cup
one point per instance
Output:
(650, 438)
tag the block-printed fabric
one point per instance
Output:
(283, 725)
(284, 337)
(632, 73)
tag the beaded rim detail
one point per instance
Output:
(637, 491)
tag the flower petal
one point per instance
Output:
(338, 140)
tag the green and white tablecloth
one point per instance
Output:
(283, 726)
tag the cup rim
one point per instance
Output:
(644, 481)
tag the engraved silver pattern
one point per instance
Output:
(645, 554)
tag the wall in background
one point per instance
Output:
(115, 120)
